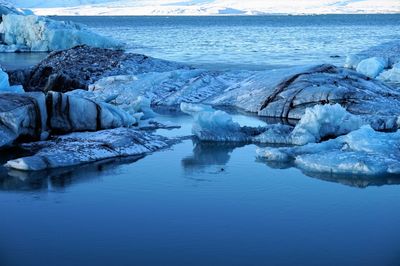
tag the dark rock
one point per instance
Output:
(81, 66)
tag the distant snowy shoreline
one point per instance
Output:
(206, 8)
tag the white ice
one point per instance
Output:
(324, 121)
(391, 75)
(5, 84)
(213, 125)
(85, 147)
(43, 34)
(372, 67)
(362, 152)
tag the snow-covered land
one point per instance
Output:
(209, 7)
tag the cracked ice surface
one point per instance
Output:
(85, 147)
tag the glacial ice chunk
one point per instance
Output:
(324, 121)
(69, 113)
(5, 84)
(21, 116)
(352, 61)
(372, 67)
(361, 152)
(391, 75)
(213, 125)
(44, 34)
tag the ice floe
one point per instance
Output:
(391, 75)
(362, 152)
(319, 123)
(86, 147)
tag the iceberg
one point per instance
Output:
(213, 125)
(319, 123)
(22, 117)
(32, 116)
(69, 113)
(391, 75)
(86, 147)
(5, 84)
(361, 152)
(42, 34)
(323, 122)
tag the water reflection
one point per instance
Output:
(209, 154)
(59, 179)
(357, 180)
(360, 181)
(206, 158)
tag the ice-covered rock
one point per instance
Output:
(86, 147)
(391, 75)
(286, 93)
(372, 67)
(361, 152)
(44, 34)
(81, 66)
(22, 117)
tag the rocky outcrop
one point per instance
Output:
(81, 66)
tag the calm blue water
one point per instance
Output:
(255, 42)
(208, 204)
